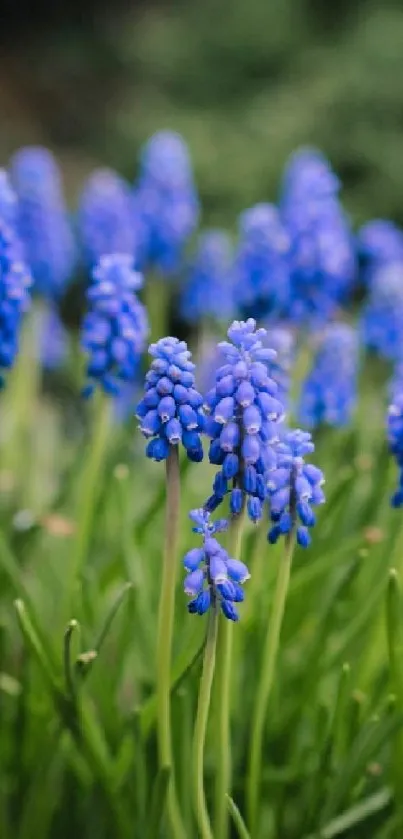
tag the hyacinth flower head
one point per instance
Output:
(207, 290)
(379, 242)
(116, 326)
(323, 264)
(308, 173)
(213, 577)
(15, 280)
(381, 320)
(395, 435)
(170, 412)
(43, 222)
(166, 203)
(294, 488)
(329, 392)
(8, 201)
(244, 419)
(106, 220)
(261, 265)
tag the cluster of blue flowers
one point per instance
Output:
(323, 263)
(294, 487)
(170, 412)
(43, 222)
(166, 203)
(262, 263)
(15, 278)
(329, 392)
(208, 292)
(395, 436)
(244, 416)
(116, 326)
(380, 243)
(382, 316)
(213, 577)
(106, 219)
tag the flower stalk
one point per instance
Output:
(165, 634)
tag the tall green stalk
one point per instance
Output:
(224, 674)
(89, 489)
(267, 676)
(165, 634)
(199, 799)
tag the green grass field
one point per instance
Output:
(82, 521)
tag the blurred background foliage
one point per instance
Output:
(244, 83)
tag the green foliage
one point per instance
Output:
(77, 682)
(245, 86)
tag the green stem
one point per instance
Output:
(257, 569)
(203, 705)
(267, 675)
(224, 673)
(89, 490)
(165, 634)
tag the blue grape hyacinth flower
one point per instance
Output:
(116, 327)
(15, 282)
(8, 201)
(106, 221)
(43, 221)
(323, 261)
(207, 290)
(379, 243)
(166, 203)
(170, 412)
(213, 577)
(261, 265)
(244, 420)
(294, 488)
(382, 315)
(329, 392)
(395, 437)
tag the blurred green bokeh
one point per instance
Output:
(244, 83)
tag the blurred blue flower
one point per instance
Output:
(282, 340)
(208, 289)
(395, 440)
(213, 577)
(382, 314)
(15, 281)
(106, 217)
(323, 263)
(329, 392)
(379, 243)
(294, 487)
(116, 327)
(43, 222)
(166, 202)
(308, 174)
(8, 201)
(170, 412)
(261, 265)
(243, 423)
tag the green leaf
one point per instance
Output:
(185, 661)
(370, 740)
(158, 801)
(355, 815)
(239, 823)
